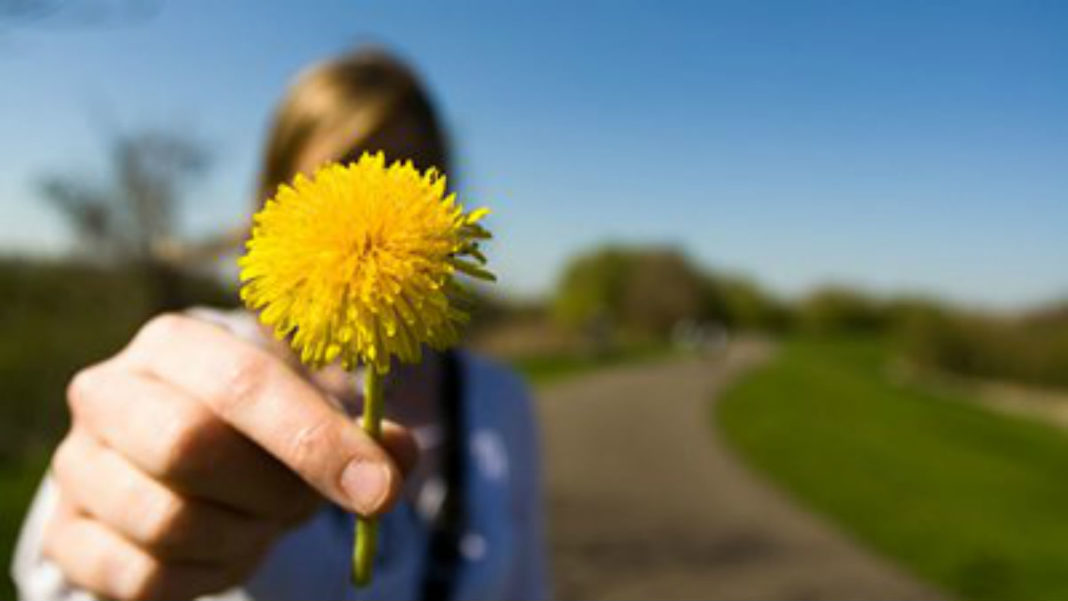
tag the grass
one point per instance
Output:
(972, 501)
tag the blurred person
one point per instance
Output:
(199, 457)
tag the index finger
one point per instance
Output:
(264, 399)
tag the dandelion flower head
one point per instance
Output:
(358, 263)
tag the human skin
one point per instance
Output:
(191, 451)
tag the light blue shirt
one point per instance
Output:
(502, 551)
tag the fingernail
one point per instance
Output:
(366, 483)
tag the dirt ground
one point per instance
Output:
(647, 502)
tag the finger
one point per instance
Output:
(173, 437)
(94, 558)
(266, 401)
(104, 486)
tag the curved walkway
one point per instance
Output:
(646, 501)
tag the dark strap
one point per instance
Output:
(443, 558)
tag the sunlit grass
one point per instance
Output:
(973, 501)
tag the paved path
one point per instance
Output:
(647, 502)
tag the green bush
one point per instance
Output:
(839, 310)
(1031, 349)
(739, 303)
(591, 287)
(648, 290)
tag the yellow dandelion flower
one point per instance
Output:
(357, 263)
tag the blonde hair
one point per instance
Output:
(349, 100)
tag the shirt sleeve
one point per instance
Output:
(35, 576)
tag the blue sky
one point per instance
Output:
(899, 146)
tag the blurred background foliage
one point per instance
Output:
(611, 302)
(646, 291)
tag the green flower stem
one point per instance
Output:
(363, 552)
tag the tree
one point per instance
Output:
(591, 288)
(637, 290)
(663, 288)
(130, 219)
(132, 216)
(739, 303)
(838, 309)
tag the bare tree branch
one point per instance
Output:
(132, 217)
(130, 220)
(89, 213)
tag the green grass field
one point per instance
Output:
(972, 501)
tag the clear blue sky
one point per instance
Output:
(917, 146)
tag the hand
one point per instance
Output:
(190, 452)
